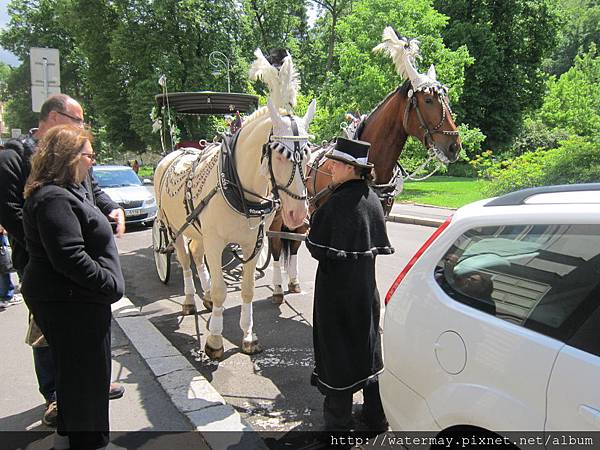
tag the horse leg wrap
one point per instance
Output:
(188, 280)
(246, 320)
(293, 269)
(216, 321)
(277, 276)
(204, 277)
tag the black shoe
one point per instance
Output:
(375, 425)
(115, 391)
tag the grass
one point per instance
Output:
(452, 192)
(146, 172)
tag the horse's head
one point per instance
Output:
(284, 161)
(431, 121)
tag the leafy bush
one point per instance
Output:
(575, 160)
(534, 135)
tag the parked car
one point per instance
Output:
(494, 323)
(123, 186)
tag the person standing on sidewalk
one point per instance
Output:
(15, 166)
(7, 289)
(72, 277)
(346, 234)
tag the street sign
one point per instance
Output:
(45, 75)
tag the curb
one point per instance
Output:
(416, 220)
(189, 391)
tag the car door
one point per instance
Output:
(573, 394)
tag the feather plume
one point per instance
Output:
(404, 52)
(261, 69)
(283, 84)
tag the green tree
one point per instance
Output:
(508, 40)
(579, 29)
(276, 23)
(335, 10)
(92, 23)
(573, 100)
(364, 78)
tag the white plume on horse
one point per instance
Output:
(283, 83)
(405, 52)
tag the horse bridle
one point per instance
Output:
(296, 158)
(428, 132)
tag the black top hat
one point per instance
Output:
(350, 151)
(276, 57)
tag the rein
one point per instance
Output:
(296, 159)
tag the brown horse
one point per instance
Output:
(418, 108)
(403, 113)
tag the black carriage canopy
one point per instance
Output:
(208, 103)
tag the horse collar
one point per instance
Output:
(231, 186)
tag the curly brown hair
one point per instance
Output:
(57, 157)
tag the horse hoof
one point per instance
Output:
(294, 288)
(214, 354)
(277, 299)
(188, 310)
(251, 348)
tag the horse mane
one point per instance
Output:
(401, 90)
(259, 113)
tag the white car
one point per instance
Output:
(494, 324)
(124, 187)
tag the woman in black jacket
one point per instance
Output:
(72, 277)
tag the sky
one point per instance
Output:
(6, 56)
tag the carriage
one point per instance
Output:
(274, 171)
(200, 104)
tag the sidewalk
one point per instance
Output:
(144, 407)
(429, 216)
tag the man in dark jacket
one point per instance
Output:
(15, 166)
(346, 234)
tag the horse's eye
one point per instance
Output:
(429, 100)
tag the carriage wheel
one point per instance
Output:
(264, 257)
(161, 260)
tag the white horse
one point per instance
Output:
(270, 156)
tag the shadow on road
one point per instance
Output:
(271, 388)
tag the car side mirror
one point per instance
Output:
(147, 181)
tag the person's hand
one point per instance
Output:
(118, 215)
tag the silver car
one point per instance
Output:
(125, 188)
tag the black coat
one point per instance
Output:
(346, 234)
(15, 167)
(72, 252)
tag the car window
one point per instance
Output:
(116, 178)
(542, 277)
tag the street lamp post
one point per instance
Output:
(218, 59)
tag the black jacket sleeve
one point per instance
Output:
(62, 238)
(12, 183)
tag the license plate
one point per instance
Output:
(134, 212)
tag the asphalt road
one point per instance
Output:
(270, 390)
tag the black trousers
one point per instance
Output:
(79, 339)
(337, 408)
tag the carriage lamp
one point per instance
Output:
(218, 60)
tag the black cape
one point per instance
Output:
(346, 234)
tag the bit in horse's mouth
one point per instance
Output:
(439, 154)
